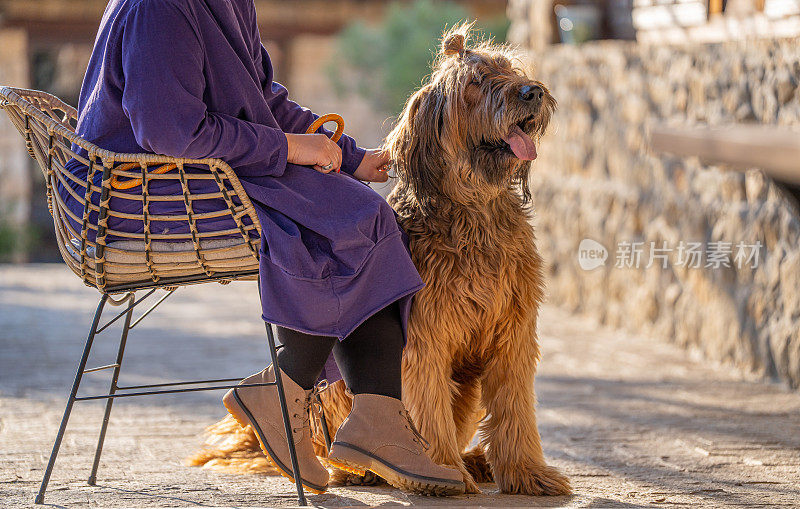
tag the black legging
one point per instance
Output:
(369, 358)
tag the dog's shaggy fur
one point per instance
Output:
(462, 197)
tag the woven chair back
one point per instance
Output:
(93, 244)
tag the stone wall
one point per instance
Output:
(597, 179)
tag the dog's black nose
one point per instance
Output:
(531, 93)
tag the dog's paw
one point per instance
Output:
(471, 487)
(477, 465)
(532, 480)
(342, 478)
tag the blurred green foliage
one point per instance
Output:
(385, 63)
(13, 242)
(32, 242)
(7, 242)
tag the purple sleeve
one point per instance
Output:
(293, 118)
(162, 62)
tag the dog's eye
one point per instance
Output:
(476, 80)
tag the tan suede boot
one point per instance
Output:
(261, 408)
(379, 436)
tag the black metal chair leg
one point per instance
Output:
(301, 497)
(75, 385)
(113, 389)
(324, 424)
(130, 302)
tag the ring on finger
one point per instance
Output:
(328, 167)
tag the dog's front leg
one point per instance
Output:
(509, 433)
(428, 395)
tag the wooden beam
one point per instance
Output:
(775, 150)
(714, 7)
(53, 21)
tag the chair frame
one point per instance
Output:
(48, 124)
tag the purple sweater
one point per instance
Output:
(190, 78)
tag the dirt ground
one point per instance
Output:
(634, 422)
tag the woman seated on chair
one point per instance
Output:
(190, 78)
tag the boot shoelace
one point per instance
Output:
(417, 435)
(309, 406)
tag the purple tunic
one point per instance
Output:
(190, 78)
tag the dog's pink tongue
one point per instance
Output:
(521, 144)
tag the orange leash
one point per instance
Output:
(324, 119)
(116, 183)
(122, 185)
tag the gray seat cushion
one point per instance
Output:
(125, 260)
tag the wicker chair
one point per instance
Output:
(117, 262)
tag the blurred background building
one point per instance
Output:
(619, 68)
(538, 23)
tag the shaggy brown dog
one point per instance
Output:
(461, 150)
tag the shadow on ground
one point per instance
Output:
(633, 421)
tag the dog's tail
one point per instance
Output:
(230, 448)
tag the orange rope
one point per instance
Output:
(324, 119)
(116, 183)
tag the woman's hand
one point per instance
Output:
(315, 150)
(374, 167)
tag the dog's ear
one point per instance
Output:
(453, 44)
(415, 145)
(454, 41)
